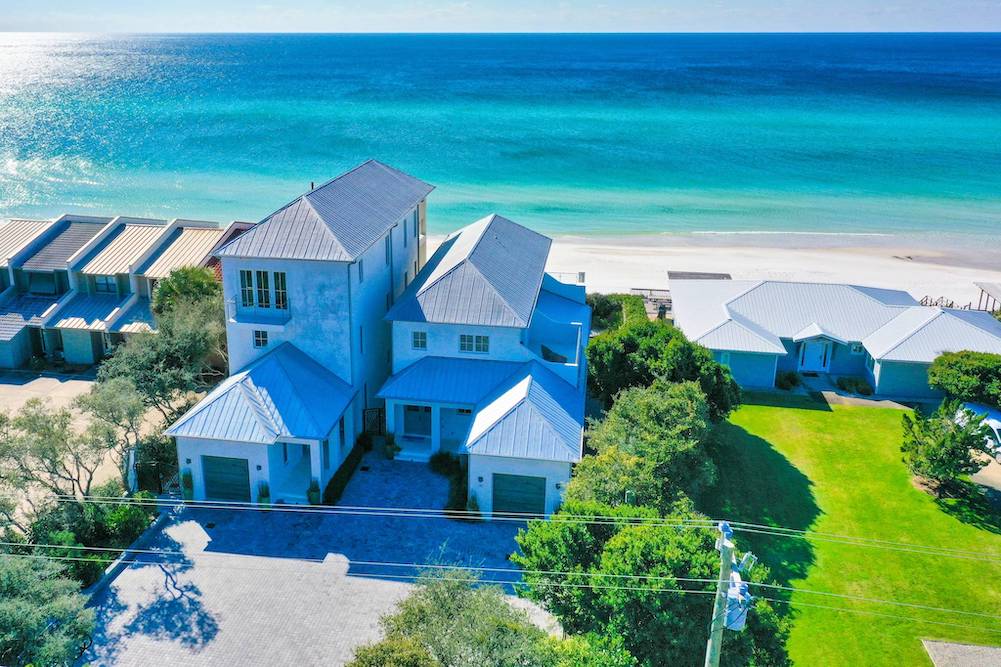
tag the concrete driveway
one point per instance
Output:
(253, 587)
(17, 386)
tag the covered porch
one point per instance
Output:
(424, 429)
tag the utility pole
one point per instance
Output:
(725, 545)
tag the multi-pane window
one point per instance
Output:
(281, 291)
(260, 338)
(105, 284)
(389, 249)
(419, 340)
(263, 291)
(246, 288)
(471, 343)
(326, 454)
(361, 270)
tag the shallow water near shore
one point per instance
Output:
(596, 136)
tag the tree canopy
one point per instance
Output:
(184, 285)
(968, 376)
(946, 444)
(43, 620)
(637, 353)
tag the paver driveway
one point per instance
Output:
(252, 587)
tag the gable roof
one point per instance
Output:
(532, 414)
(921, 334)
(284, 394)
(123, 247)
(487, 273)
(187, 246)
(57, 250)
(17, 234)
(337, 221)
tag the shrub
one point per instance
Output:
(364, 439)
(335, 487)
(610, 311)
(854, 385)
(944, 445)
(968, 376)
(263, 493)
(445, 463)
(187, 484)
(451, 466)
(787, 380)
(389, 446)
(126, 522)
(394, 652)
(313, 492)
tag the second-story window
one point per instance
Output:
(246, 288)
(389, 249)
(263, 291)
(419, 340)
(471, 343)
(260, 339)
(281, 292)
(105, 284)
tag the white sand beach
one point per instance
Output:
(618, 267)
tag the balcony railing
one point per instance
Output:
(256, 314)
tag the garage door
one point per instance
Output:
(226, 478)
(518, 493)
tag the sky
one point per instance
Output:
(498, 15)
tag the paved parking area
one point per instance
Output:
(285, 588)
(17, 386)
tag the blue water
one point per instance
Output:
(572, 134)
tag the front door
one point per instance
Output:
(815, 355)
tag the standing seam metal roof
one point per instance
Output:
(187, 246)
(337, 221)
(488, 273)
(87, 311)
(22, 311)
(17, 234)
(56, 252)
(122, 249)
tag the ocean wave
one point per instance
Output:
(768, 232)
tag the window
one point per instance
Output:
(326, 454)
(404, 235)
(389, 249)
(263, 292)
(260, 339)
(464, 411)
(416, 223)
(361, 270)
(406, 279)
(361, 339)
(281, 292)
(246, 288)
(471, 343)
(340, 430)
(105, 284)
(857, 348)
(284, 452)
(419, 340)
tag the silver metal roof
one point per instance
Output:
(137, 319)
(533, 414)
(284, 394)
(87, 311)
(487, 273)
(447, 380)
(123, 248)
(22, 311)
(920, 334)
(187, 246)
(17, 234)
(56, 252)
(337, 221)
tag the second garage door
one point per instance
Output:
(226, 478)
(519, 493)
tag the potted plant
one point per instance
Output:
(389, 446)
(187, 485)
(313, 492)
(263, 494)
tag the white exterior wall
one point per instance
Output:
(483, 467)
(319, 312)
(191, 450)
(443, 341)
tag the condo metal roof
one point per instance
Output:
(753, 316)
(187, 246)
(532, 414)
(123, 248)
(337, 221)
(22, 311)
(447, 380)
(72, 236)
(488, 273)
(284, 394)
(87, 311)
(17, 234)
(137, 319)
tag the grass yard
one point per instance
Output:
(802, 464)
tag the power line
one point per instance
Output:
(474, 580)
(428, 513)
(520, 571)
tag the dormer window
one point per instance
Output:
(105, 284)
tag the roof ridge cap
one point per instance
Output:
(257, 406)
(294, 387)
(910, 334)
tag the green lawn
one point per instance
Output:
(802, 464)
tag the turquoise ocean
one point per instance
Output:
(582, 135)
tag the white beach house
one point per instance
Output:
(306, 291)
(488, 361)
(759, 328)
